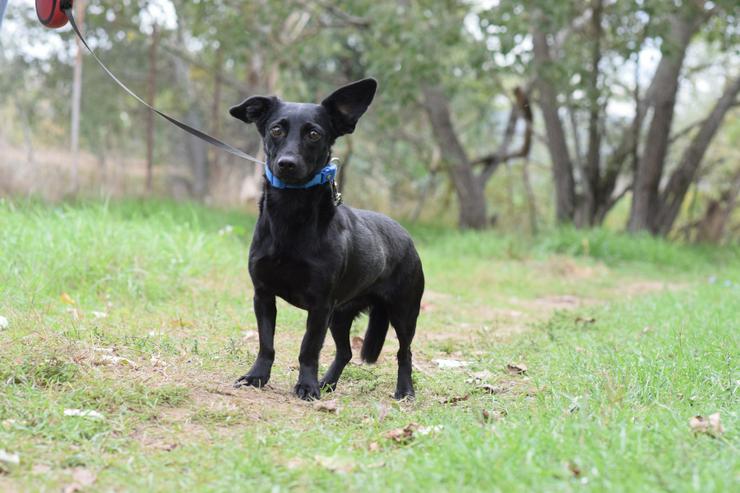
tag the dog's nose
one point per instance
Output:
(286, 163)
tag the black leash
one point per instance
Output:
(193, 131)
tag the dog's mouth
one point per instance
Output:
(292, 176)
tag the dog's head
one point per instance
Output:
(298, 136)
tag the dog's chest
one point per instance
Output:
(291, 278)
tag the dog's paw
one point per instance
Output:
(308, 391)
(404, 394)
(250, 380)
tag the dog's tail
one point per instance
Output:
(377, 328)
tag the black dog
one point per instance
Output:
(331, 260)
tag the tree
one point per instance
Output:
(572, 93)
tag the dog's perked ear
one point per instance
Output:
(348, 103)
(254, 109)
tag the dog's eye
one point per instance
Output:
(313, 136)
(276, 131)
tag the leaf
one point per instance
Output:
(250, 335)
(336, 464)
(516, 368)
(382, 412)
(83, 413)
(574, 469)
(81, 478)
(492, 389)
(357, 343)
(429, 430)
(456, 399)
(447, 364)
(327, 406)
(109, 359)
(480, 376)
(8, 458)
(402, 435)
(711, 426)
(374, 447)
(67, 299)
(585, 320)
(40, 469)
(496, 415)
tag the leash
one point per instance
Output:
(66, 9)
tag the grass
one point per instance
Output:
(141, 312)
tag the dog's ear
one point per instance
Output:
(347, 104)
(254, 109)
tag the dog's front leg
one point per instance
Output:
(307, 387)
(265, 311)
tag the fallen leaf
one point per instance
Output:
(294, 463)
(492, 389)
(429, 430)
(585, 320)
(456, 399)
(382, 412)
(336, 464)
(479, 376)
(496, 415)
(4, 324)
(81, 478)
(156, 362)
(109, 359)
(711, 425)
(250, 335)
(67, 299)
(357, 343)
(374, 447)
(99, 314)
(326, 406)
(579, 349)
(516, 368)
(83, 413)
(8, 458)
(402, 435)
(40, 469)
(447, 364)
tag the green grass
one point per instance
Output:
(625, 339)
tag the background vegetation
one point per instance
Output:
(507, 114)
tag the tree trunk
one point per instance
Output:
(195, 149)
(470, 191)
(150, 94)
(712, 227)
(681, 179)
(77, 99)
(562, 166)
(216, 105)
(593, 154)
(645, 198)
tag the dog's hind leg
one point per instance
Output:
(340, 327)
(405, 327)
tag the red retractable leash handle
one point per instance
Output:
(51, 12)
(56, 13)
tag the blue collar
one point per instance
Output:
(324, 175)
